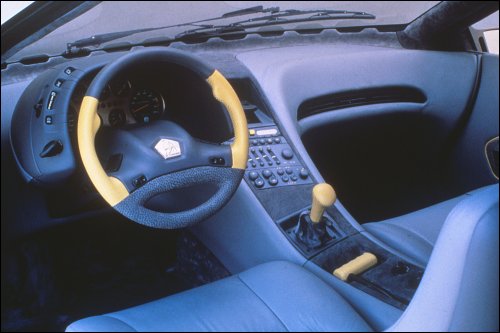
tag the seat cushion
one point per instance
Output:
(277, 296)
(415, 234)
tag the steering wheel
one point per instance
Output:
(162, 156)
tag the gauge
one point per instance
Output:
(146, 105)
(106, 92)
(117, 118)
(121, 88)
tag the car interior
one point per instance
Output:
(250, 177)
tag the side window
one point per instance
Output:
(491, 39)
(485, 34)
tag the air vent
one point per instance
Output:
(360, 97)
(36, 59)
(157, 41)
(271, 31)
(116, 47)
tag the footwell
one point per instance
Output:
(56, 277)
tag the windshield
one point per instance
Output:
(115, 16)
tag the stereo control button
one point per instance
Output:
(267, 173)
(287, 154)
(253, 175)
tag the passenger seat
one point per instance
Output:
(415, 234)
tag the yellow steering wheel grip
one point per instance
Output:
(224, 93)
(111, 188)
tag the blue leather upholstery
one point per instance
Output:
(458, 292)
(416, 233)
(277, 296)
(459, 289)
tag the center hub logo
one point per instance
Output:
(168, 148)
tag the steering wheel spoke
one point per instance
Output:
(155, 150)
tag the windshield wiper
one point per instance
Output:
(107, 37)
(277, 17)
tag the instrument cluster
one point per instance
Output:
(123, 103)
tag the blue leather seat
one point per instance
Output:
(415, 234)
(458, 292)
(276, 296)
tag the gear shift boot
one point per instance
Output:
(313, 229)
(313, 235)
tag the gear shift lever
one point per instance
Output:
(311, 229)
(323, 196)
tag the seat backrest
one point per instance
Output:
(459, 289)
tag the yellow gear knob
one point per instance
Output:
(323, 196)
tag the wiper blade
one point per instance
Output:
(275, 18)
(251, 10)
(107, 37)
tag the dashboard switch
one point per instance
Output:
(52, 99)
(304, 173)
(253, 175)
(217, 161)
(59, 83)
(273, 181)
(139, 181)
(259, 183)
(287, 154)
(49, 120)
(266, 173)
(69, 70)
(52, 148)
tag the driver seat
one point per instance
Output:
(458, 292)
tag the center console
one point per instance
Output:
(281, 181)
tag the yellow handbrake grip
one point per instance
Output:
(225, 94)
(356, 266)
(111, 188)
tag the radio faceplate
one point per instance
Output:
(272, 162)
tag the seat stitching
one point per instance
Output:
(263, 302)
(126, 324)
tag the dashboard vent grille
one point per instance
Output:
(359, 97)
